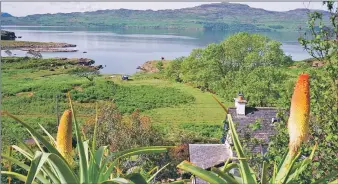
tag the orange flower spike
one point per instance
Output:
(298, 124)
(64, 136)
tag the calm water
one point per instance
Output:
(122, 51)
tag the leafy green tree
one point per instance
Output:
(241, 51)
(173, 69)
(247, 51)
(263, 86)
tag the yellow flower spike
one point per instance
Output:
(64, 136)
(298, 123)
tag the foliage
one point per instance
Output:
(263, 86)
(287, 171)
(122, 133)
(238, 54)
(88, 73)
(159, 65)
(323, 130)
(172, 71)
(320, 42)
(95, 165)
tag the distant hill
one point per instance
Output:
(4, 14)
(215, 16)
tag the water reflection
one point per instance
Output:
(123, 50)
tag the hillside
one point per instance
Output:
(215, 16)
(4, 14)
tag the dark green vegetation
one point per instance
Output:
(244, 62)
(7, 35)
(215, 16)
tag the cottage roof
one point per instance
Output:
(256, 123)
(209, 155)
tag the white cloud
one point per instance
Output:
(28, 8)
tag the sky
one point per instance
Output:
(28, 8)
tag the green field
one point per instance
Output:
(30, 86)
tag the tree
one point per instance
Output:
(204, 66)
(248, 51)
(241, 51)
(263, 86)
(173, 69)
(321, 41)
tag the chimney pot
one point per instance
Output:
(240, 103)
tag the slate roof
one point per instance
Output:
(208, 155)
(263, 115)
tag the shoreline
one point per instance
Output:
(18, 45)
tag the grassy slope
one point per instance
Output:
(30, 93)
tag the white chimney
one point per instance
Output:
(240, 104)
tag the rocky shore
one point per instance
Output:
(48, 50)
(7, 35)
(19, 45)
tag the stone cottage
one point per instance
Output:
(252, 123)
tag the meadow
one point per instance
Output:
(32, 88)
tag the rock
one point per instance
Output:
(49, 49)
(85, 61)
(7, 35)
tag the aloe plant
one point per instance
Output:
(288, 171)
(95, 166)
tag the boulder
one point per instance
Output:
(7, 35)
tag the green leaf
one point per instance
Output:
(201, 173)
(17, 176)
(153, 176)
(36, 165)
(229, 167)
(136, 178)
(96, 163)
(65, 173)
(47, 133)
(284, 172)
(224, 175)
(247, 175)
(118, 181)
(84, 177)
(23, 152)
(46, 143)
(181, 181)
(25, 167)
(264, 178)
(36, 141)
(127, 153)
(95, 128)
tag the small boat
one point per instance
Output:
(84, 52)
(19, 36)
